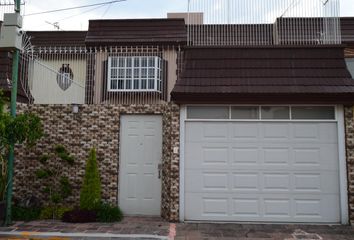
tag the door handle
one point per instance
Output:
(159, 169)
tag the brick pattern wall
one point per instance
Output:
(349, 131)
(96, 126)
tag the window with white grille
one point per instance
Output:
(135, 74)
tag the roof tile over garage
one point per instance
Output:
(264, 75)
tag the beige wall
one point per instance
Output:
(44, 86)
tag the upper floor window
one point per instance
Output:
(138, 73)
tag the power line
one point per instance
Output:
(72, 8)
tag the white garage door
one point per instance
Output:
(262, 171)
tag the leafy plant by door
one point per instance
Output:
(55, 185)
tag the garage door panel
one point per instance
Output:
(315, 156)
(314, 132)
(245, 132)
(261, 181)
(262, 171)
(275, 131)
(207, 154)
(197, 132)
(269, 207)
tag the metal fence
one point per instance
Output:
(98, 75)
(263, 22)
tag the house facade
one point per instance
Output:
(260, 133)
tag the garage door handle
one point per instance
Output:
(159, 168)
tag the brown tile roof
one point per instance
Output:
(243, 34)
(57, 38)
(136, 31)
(347, 29)
(261, 74)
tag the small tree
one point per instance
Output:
(24, 128)
(90, 195)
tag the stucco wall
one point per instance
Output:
(96, 126)
(44, 86)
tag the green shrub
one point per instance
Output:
(43, 173)
(44, 158)
(108, 213)
(53, 212)
(25, 214)
(90, 194)
(63, 154)
(65, 187)
(55, 186)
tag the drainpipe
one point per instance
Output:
(10, 164)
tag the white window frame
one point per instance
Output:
(158, 73)
(260, 113)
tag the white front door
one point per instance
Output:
(140, 156)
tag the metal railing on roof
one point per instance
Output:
(263, 22)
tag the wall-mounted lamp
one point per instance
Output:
(75, 108)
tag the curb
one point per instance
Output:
(76, 235)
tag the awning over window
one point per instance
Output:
(295, 74)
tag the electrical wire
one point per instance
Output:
(78, 7)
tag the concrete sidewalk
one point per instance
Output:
(138, 228)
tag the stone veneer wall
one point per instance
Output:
(96, 126)
(349, 132)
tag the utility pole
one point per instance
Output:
(10, 164)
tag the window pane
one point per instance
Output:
(128, 84)
(270, 112)
(313, 112)
(114, 84)
(121, 62)
(120, 73)
(244, 112)
(151, 72)
(202, 112)
(136, 84)
(144, 72)
(151, 83)
(129, 62)
(136, 62)
(120, 84)
(114, 62)
(144, 62)
(143, 83)
(114, 73)
(136, 73)
(151, 62)
(128, 73)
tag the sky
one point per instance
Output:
(78, 19)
